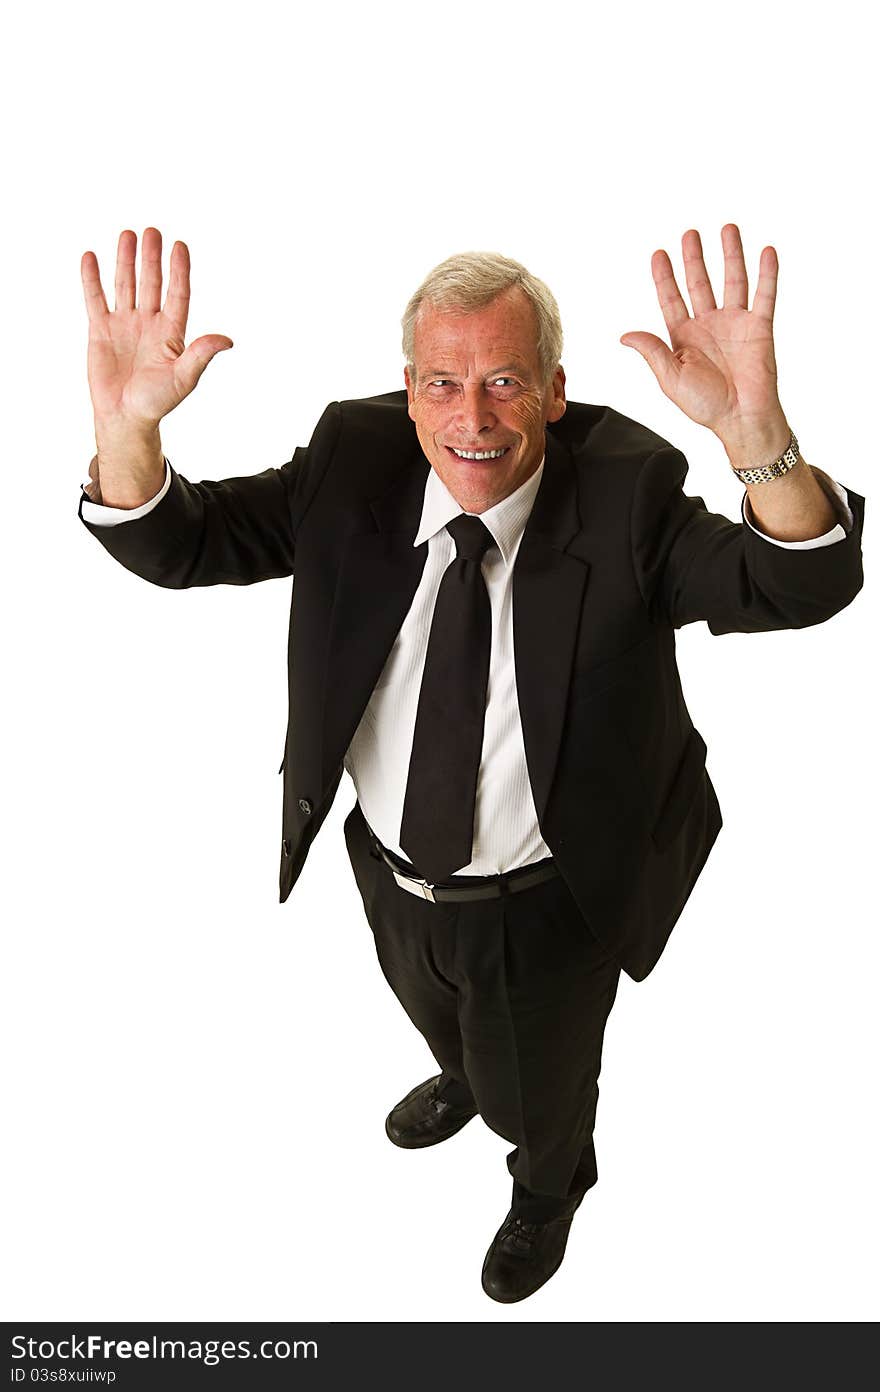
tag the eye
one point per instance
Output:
(504, 381)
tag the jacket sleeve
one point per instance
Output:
(693, 564)
(234, 531)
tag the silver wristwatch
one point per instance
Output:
(780, 466)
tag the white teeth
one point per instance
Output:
(478, 454)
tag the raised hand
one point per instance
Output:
(139, 368)
(721, 368)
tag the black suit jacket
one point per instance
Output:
(614, 557)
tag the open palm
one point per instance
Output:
(721, 367)
(139, 367)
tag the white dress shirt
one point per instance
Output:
(506, 832)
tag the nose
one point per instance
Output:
(475, 413)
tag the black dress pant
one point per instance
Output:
(511, 995)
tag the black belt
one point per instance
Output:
(463, 887)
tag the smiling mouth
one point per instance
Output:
(478, 455)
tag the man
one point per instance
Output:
(487, 584)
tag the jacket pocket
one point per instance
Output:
(681, 793)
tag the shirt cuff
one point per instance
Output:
(102, 516)
(837, 533)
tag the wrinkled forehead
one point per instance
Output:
(461, 340)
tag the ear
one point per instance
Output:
(556, 408)
(410, 392)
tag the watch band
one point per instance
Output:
(766, 472)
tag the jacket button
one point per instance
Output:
(285, 846)
(305, 806)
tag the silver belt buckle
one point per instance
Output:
(419, 887)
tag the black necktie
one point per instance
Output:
(437, 827)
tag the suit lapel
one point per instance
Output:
(549, 580)
(377, 580)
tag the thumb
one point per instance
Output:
(657, 355)
(192, 363)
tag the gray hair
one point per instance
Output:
(472, 280)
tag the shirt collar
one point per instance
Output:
(505, 520)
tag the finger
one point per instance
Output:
(150, 285)
(192, 363)
(768, 275)
(176, 305)
(736, 283)
(698, 283)
(93, 290)
(125, 253)
(673, 306)
(662, 362)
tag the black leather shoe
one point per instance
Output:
(524, 1255)
(423, 1118)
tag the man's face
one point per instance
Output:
(478, 389)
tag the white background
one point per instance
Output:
(196, 1076)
